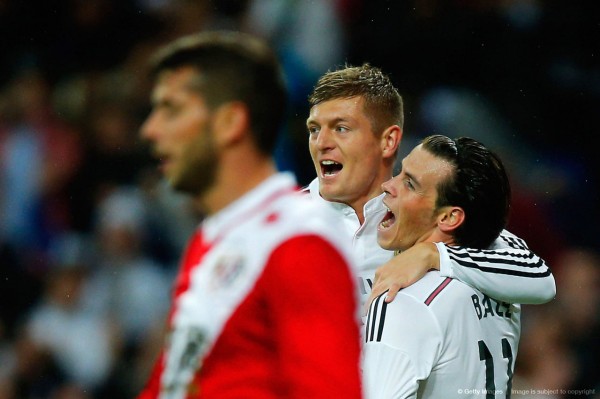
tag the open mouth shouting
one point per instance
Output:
(330, 168)
(388, 220)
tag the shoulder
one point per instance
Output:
(432, 286)
(434, 307)
(296, 214)
(407, 329)
(442, 298)
(291, 224)
(506, 239)
(411, 305)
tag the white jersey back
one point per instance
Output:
(440, 339)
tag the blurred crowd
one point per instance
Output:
(90, 235)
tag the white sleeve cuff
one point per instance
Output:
(446, 269)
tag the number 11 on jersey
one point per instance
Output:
(486, 355)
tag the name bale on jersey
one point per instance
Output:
(486, 306)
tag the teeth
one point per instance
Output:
(330, 168)
(389, 218)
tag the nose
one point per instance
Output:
(388, 186)
(324, 139)
(148, 128)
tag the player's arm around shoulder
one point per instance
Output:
(508, 271)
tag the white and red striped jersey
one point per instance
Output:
(440, 338)
(507, 271)
(253, 313)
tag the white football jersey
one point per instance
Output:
(440, 339)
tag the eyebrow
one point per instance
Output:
(334, 121)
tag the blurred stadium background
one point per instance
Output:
(90, 236)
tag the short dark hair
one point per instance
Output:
(383, 103)
(479, 184)
(233, 66)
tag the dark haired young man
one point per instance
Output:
(441, 338)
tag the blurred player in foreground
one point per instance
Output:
(252, 315)
(441, 338)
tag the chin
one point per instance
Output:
(186, 187)
(391, 243)
(385, 244)
(328, 195)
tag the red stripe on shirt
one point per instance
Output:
(436, 292)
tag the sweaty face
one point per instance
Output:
(179, 130)
(410, 198)
(346, 153)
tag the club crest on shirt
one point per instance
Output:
(226, 270)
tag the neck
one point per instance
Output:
(359, 207)
(439, 236)
(240, 172)
(359, 204)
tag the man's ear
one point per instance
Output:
(231, 123)
(390, 141)
(450, 219)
